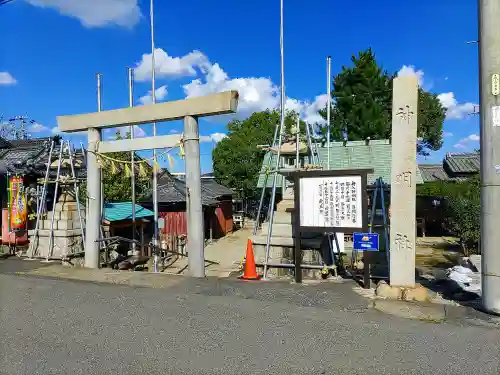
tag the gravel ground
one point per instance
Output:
(222, 327)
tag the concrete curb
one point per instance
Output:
(105, 276)
(410, 310)
(436, 313)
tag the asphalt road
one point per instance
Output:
(223, 327)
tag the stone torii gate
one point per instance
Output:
(189, 110)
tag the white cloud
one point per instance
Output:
(160, 94)
(409, 70)
(174, 131)
(55, 130)
(473, 138)
(96, 13)
(447, 134)
(169, 67)
(459, 145)
(309, 111)
(255, 93)
(7, 79)
(37, 128)
(464, 142)
(454, 110)
(215, 137)
(139, 132)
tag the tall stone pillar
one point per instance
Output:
(403, 177)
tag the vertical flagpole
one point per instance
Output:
(280, 138)
(328, 106)
(132, 153)
(155, 159)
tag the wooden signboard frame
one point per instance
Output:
(299, 228)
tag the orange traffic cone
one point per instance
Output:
(250, 270)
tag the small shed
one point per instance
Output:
(117, 221)
(221, 213)
(215, 198)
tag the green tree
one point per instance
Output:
(117, 183)
(117, 186)
(442, 189)
(462, 208)
(237, 159)
(464, 215)
(362, 106)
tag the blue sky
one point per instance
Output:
(52, 49)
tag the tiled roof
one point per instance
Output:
(4, 143)
(213, 189)
(24, 156)
(433, 172)
(173, 190)
(376, 155)
(32, 142)
(30, 156)
(467, 162)
(123, 211)
(170, 189)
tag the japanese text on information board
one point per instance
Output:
(331, 202)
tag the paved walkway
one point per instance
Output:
(221, 326)
(229, 250)
(222, 256)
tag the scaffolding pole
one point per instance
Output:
(264, 187)
(40, 206)
(77, 192)
(54, 202)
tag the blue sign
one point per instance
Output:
(366, 241)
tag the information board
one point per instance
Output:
(328, 202)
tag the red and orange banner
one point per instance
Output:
(18, 207)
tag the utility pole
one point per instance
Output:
(489, 101)
(328, 106)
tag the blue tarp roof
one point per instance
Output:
(123, 211)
